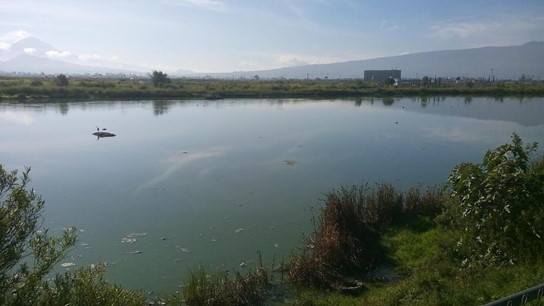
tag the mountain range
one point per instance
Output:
(32, 55)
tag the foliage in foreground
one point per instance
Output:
(498, 206)
(29, 253)
(484, 246)
(220, 289)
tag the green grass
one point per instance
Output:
(204, 288)
(426, 276)
(81, 88)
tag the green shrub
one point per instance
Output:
(86, 286)
(498, 206)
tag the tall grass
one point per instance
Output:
(219, 289)
(346, 241)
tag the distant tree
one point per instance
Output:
(61, 80)
(426, 81)
(159, 78)
(389, 81)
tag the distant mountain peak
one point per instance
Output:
(30, 45)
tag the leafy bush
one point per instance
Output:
(86, 286)
(498, 206)
(159, 78)
(61, 80)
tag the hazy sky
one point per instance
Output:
(230, 35)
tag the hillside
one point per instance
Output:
(31, 55)
(502, 62)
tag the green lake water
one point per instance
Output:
(212, 182)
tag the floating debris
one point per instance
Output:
(239, 230)
(290, 162)
(185, 250)
(128, 240)
(163, 238)
(178, 260)
(276, 245)
(214, 240)
(243, 264)
(135, 252)
(131, 238)
(136, 235)
(68, 264)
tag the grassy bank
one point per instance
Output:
(479, 242)
(104, 89)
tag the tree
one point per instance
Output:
(159, 78)
(498, 206)
(426, 81)
(28, 253)
(61, 80)
(389, 81)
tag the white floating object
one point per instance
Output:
(68, 264)
(238, 230)
(128, 240)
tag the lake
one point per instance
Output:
(211, 182)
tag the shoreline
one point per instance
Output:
(36, 89)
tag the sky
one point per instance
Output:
(237, 35)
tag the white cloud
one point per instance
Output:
(8, 38)
(30, 51)
(89, 57)
(13, 36)
(57, 54)
(463, 30)
(248, 64)
(299, 60)
(501, 30)
(214, 5)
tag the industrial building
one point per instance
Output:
(378, 76)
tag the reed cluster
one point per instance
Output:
(346, 240)
(220, 289)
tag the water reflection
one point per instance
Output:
(63, 108)
(160, 107)
(177, 160)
